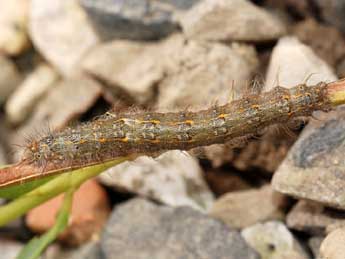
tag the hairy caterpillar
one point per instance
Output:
(131, 134)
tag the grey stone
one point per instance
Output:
(314, 218)
(229, 20)
(244, 208)
(292, 63)
(273, 240)
(9, 78)
(134, 19)
(61, 32)
(333, 246)
(314, 168)
(140, 229)
(174, 178)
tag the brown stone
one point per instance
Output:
(314, 218)
(244, 208)
(90, 210)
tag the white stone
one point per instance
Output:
(61, 32)
(26, 96)
(174, 178)
(272, 240)
(293, 63)
(226, 20)
(13, 26)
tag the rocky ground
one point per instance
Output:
(280, 196)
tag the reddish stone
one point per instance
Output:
(90, 210)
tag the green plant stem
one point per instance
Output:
(51, 189)
(37, 245)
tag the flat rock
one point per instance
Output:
(174, 178)
(333, 246)
(128, 66)
(60, 31)
(89, 212)
(13, 26)
(314, 218)
(9, 78)
(30, 91)
(134, 19)
(272, 240)
(244, 208)
(292, 63)
(230, 20)
(314, 168)
(140, 229)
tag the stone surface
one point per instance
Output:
(272, 240)
(244, 208)
(178, 68)
(134, 19)
(333, 246)
(9, 78)
(13, 26)
(128, 66)
(31, 90)
(314, 168)
(60, 31)
(67, 100)
(9, 248)
(228, 20)
(174, 178)
(314, 218)
(90, 250)
(207, 73)
(90, 210)
(164, 232)
(313, 34)
(292, 63)
(332, 11)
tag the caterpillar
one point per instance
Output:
(115, 135)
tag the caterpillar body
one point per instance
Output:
(117, 135)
